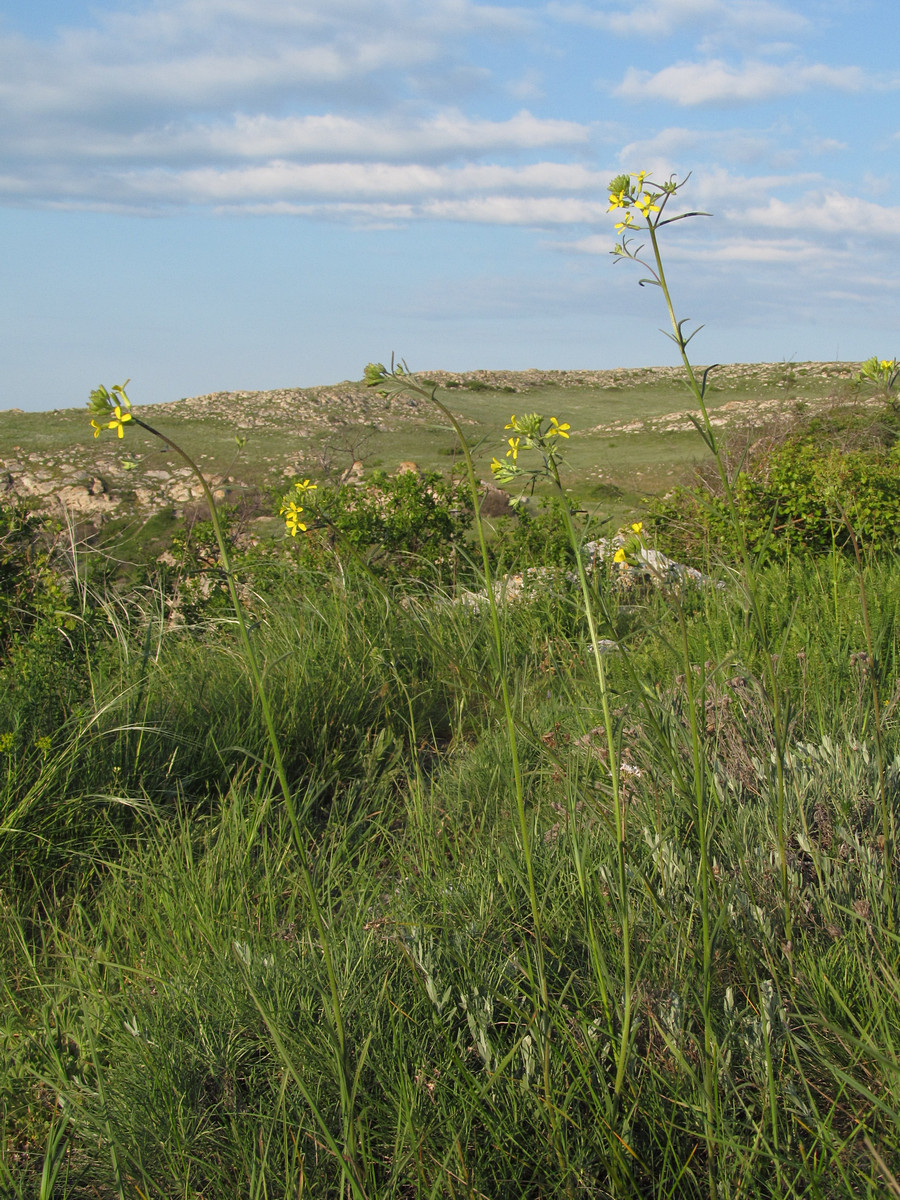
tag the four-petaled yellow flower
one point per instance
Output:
(513, 451)
(557, 430)
(116, 422)
(496, 465)
(119, 420)
(644, 206)
(511, 424)
(618, 200)
(291, 513)
(636, 528)
(305, 486)
(620, 556)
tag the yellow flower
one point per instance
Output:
(556, 429)
(291, 513)
(512, 423)
(618, 200)
(119, 420)
(637, 527)
(644, 206)
(305, 486)
(620, 555)
(513, 451)
(6, 742)
(496, 465)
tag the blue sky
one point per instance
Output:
(209, 195)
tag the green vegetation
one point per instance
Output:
(166, 1017)
(832, 484)
(328, 868)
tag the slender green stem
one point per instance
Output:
(281, 774)
(404, 382)
(709, 435)
(618, 809)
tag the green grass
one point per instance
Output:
(166, 1025)
(637, 463)
(409, 986)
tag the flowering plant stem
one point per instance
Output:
(643, 196)
(398, 379)
(618, 809)
(650, 199)
(350, 1165)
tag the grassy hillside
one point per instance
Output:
(633, 434)
(369, 887)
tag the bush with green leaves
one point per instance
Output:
(408, 524)
(799, 498)
(33, 592)
(533, 535)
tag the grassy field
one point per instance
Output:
(632, 438)
(588, 895)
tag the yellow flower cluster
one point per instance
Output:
(112, 406)
(117, 422)
(531, 431)
(626, 195)
(624, 553)
(292, 511)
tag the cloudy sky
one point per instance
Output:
(222, 194)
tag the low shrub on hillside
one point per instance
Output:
(533, 536)
(32, 591)
(407, 524)
(805, 496)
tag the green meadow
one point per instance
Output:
(362, 837)
(633, 937)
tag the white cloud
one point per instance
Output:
(328, 136)
(518, 210)
(777, 146)
(827, 212)
(541, 212)
(285, 181)
(787, 251)
(716, 82)
(210, 52)
(662, 18)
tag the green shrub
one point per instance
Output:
(33, 592)
(406, 524)
(533, 537)
(798, 498)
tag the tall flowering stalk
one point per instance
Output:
(114, 409)
(399, 380)
(545, 436)
(642, 207)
